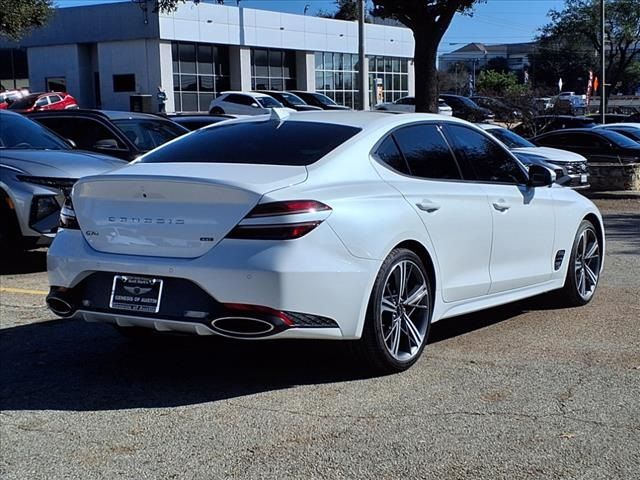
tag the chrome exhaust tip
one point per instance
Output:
(242, 327)
(60, 305)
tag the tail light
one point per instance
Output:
(68, 218)
(265, 221)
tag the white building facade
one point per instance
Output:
(104, 54)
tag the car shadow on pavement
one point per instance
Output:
(73, 365)
(625, 229)
(23, 262)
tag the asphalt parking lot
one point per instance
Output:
(522, 391)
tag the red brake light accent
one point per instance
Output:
(292, 207)
(283, 231)
(257, 309)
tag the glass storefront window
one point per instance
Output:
(273, 69)
(336, 77)
(200, 73)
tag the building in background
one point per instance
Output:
(104, 54)
(479, 54)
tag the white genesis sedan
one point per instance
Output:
(355, 226)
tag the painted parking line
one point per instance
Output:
(24, 291)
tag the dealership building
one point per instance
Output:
(105, 54)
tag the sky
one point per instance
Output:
(495, 21)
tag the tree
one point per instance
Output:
(17, 17)
(497, 64)
(577, 26)
(492, 83)
(428, 20)
(345, 10)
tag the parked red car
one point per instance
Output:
(37, 102)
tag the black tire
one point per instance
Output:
(371, 350)
(216, 111)
(575, 292)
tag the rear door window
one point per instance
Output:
(389, 153)
(427, 152)
(275, 143)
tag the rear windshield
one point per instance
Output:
(268, 143)
(147, 134)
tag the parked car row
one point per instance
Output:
(128, 135)
(260, 102)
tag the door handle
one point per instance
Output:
(428, 206)
(501, 205)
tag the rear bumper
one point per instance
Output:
(314, 275)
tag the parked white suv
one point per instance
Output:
(245, 103)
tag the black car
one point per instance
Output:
(125, 135)
(196, 121)
(627, 130)
(502, 110)
(595, 144)
(548, 123)
(318, 100)
(290, 100)
(466, 108)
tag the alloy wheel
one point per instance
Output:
(405, 310)
(587, 263)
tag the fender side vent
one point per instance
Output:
(558, 261)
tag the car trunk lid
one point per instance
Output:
(172, 210)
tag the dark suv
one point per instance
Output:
(466, 108)
(125, 135)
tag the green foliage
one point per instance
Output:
(497, 84)
(345, 10)
(17, 17)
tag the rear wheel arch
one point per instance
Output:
(427, 260)
(595, 221)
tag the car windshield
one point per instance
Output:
(20, 132)
(276, 143)
(292, 99)
(269, 102)
(619, 139)
(323, 99)
(632, 133)
(149, 133)
(25, 102)
(510, 139)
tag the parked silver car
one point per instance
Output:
(37, 169)
(566, 164)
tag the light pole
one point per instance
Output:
(363, 88)
(603, 107)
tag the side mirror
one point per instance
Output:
(255, 105)
(106, 144)
(540, 176)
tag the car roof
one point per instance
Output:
(353, 118)
(490, 126)
(577, 130)
(625, 125)
(250, 94)
(110, 114)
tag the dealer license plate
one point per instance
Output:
(137, 294)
